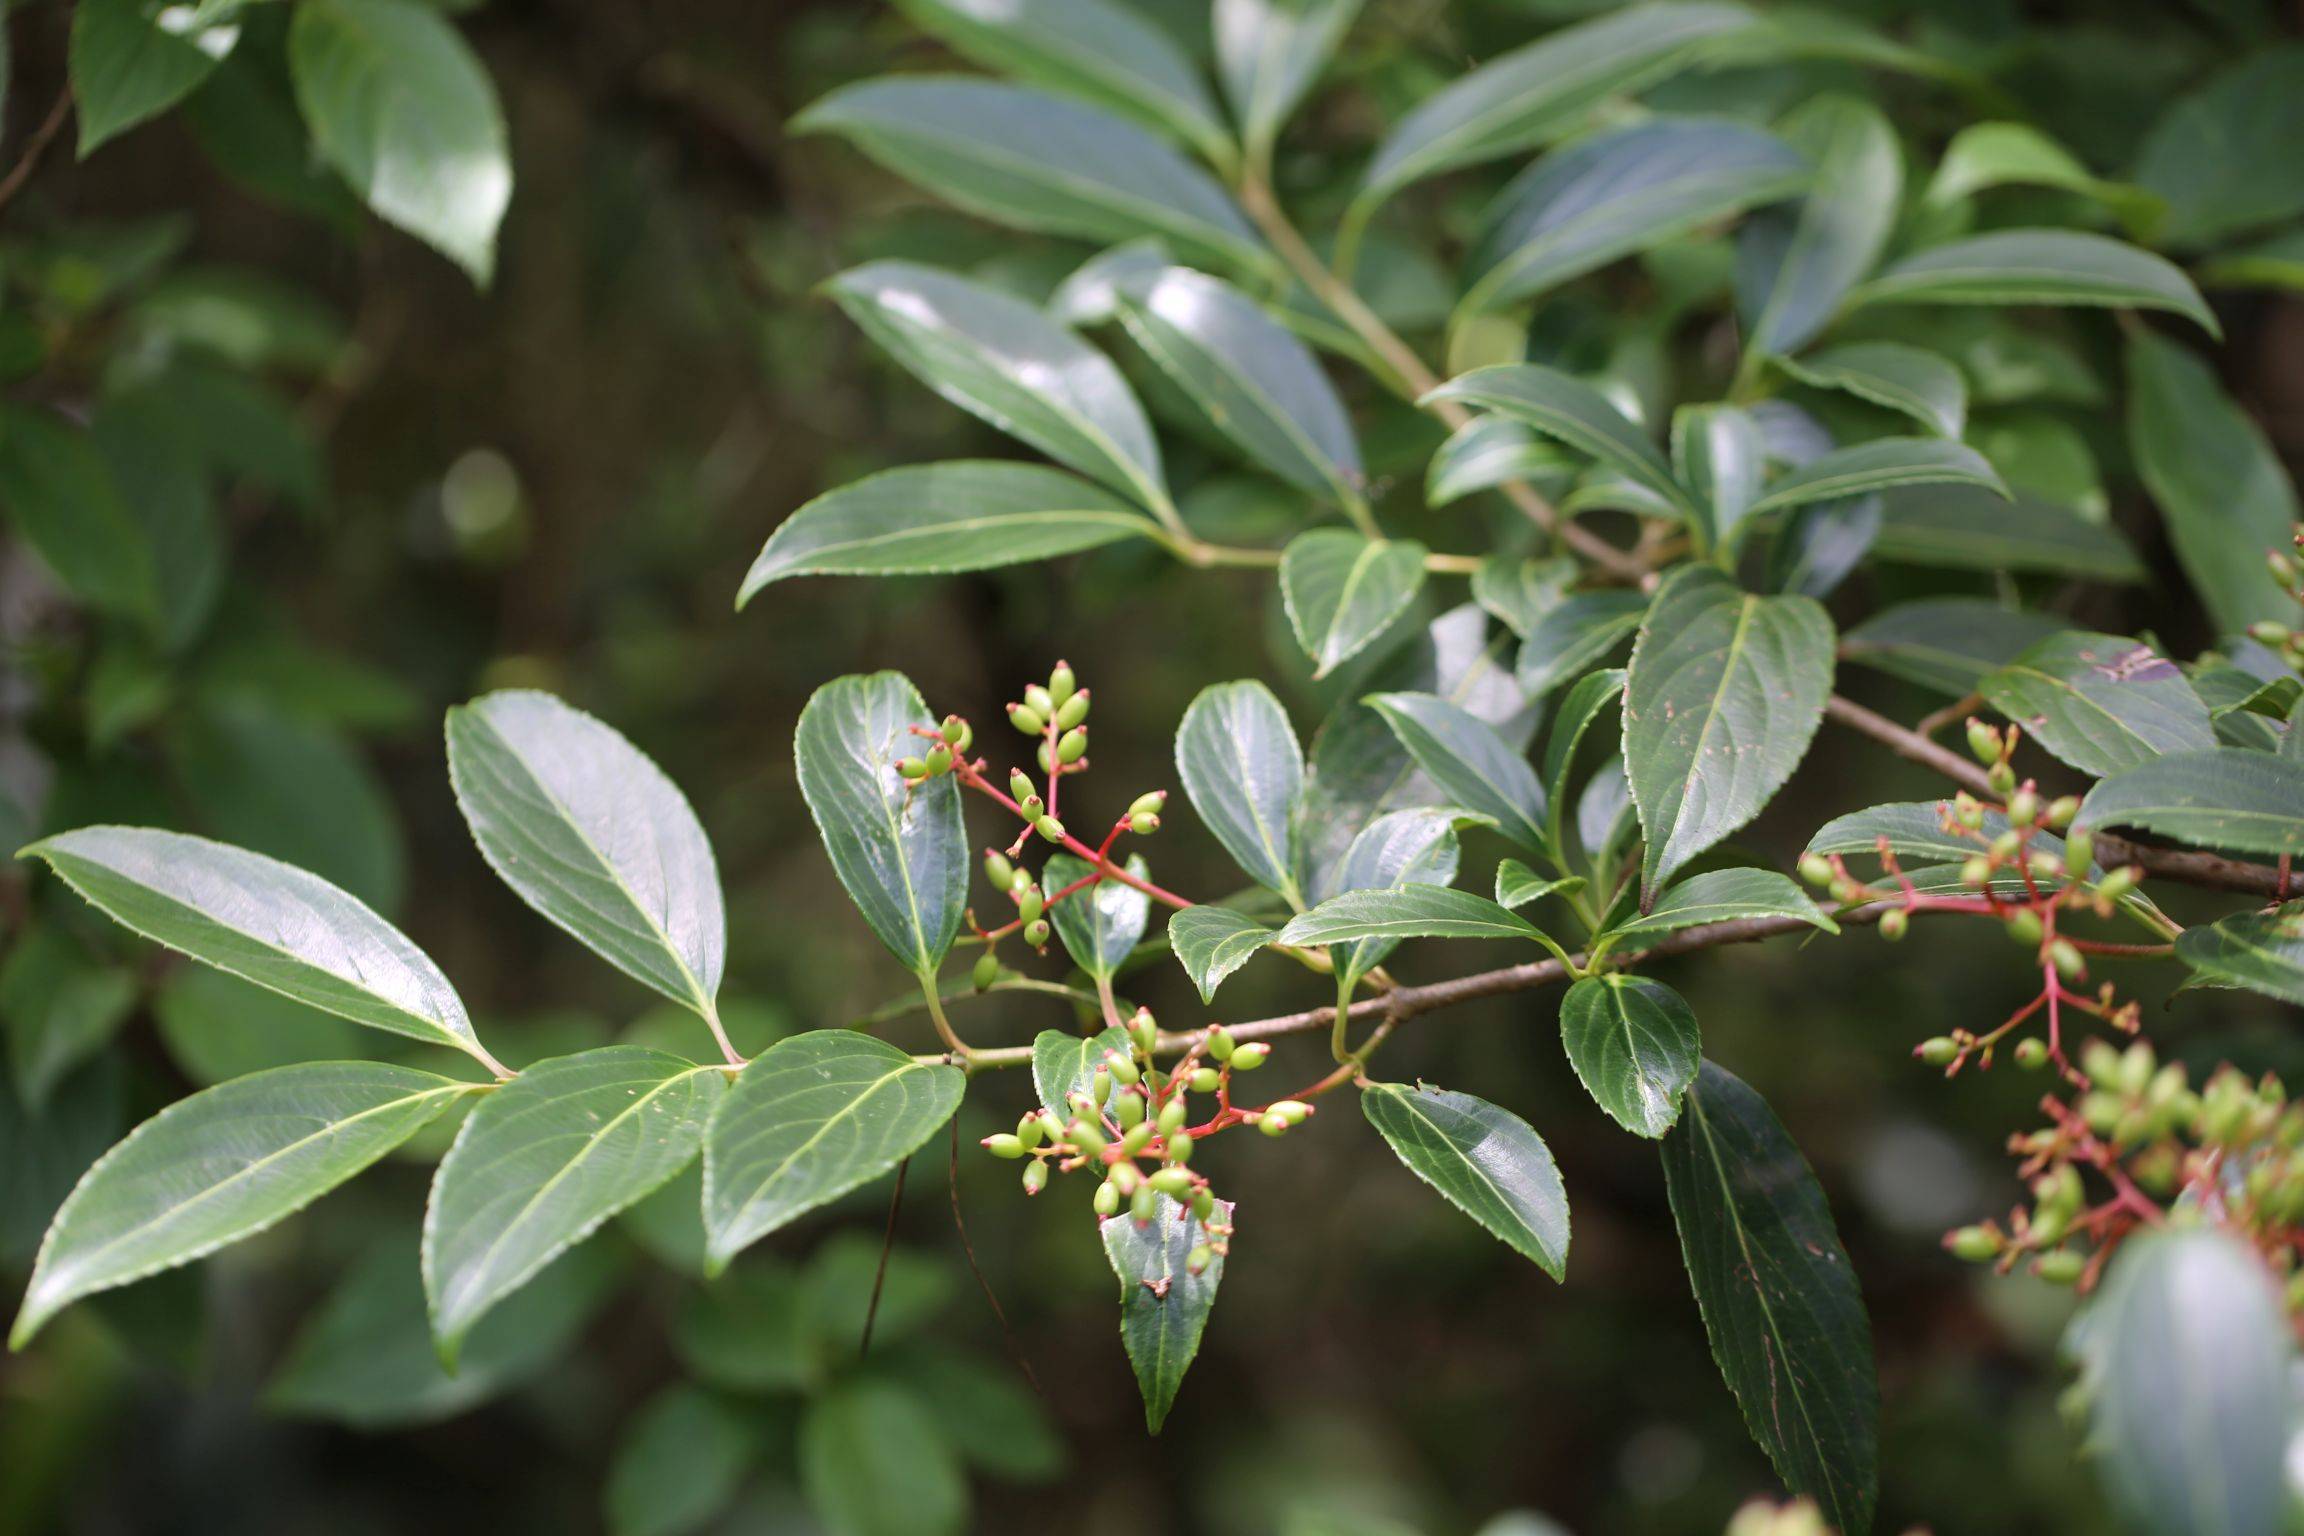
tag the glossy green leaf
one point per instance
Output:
(1098, 49)
(1945, 643)
(2100, 702)
(222, 1165)
(1544, 89)
(1725, 692)
(1022, 157)
(1399, 848)
(2039, 266)
(899, 849)
(1487, 1162)
(1883, 464)
(62, 500)
(1594, 694)
(1101, 925)
(1063, 1064)
(544, 1160)
(1721, 457)
(810, 1119)
(399, 105)
(999, 358)
(1634, 1045)
(265, 921)
(1576, 635)
(1474, 767)
(1920, 384)
(1342, 590)
(1619, 191)
(1212, 942)
(1406, 912)
(134, 59)
(1484, 453)
(1519, 592)
(2261, 951)
(1778, 1296)
(2186, 1357)
(2249, 802)
(1986, 155)
(1257, 384)
(1794, 266)
(2222, 491)
(1966, 528)
(962, 515)
(1517, 885)
(1574, 412)
(2224, 156)
(1269, 53)
(1719, 896)
(1239, 761)
(874, 1462)
(1163, 1306)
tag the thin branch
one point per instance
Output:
(42, 137)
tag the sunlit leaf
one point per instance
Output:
(1486, 1161)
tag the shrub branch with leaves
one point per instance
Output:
(1824, 435)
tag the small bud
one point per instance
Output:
(1072, 745)
(1035, 1176)
(955, 729)
(1983, 742)
(1172, 1116)
(1939, 1051)
(2061, 810)
(1894, 924)
(1975, 1244)
(1220, 1043)
(998, 870)
(2024, 927)
(2007, 845)
(1086, 1135)
(2266, 632)
(1968, 811)
(987, 970)
(1124, 1069)
(2031, 1054)
(1150, 804)
(1136, 1140)
(913, 769)
(1272, 1125)
(1206, 1079)
(1247, 1058)
(939, 760)
(1143, 824)
(2001, 778)
(1143, 1030)
(1036, 933)
(1294, 1111)
(1030, 904)
(1031, 1131)
(1175, 1183)
(2282, 568)
(2061, 1267)
(1004, 1145)
(2045, 866)
(1125, 1177)
(1040, 700)
(1100, 1086)
(1816, 869)
(2117, 884)
(1027, 719)
(1179, 1147)
(1072, 711)
(1197, 1261)
(1046, 758)
(1146, 1204)
(1107, 1201)
(1976, 871)
(1032, 806)
(2067, 960)
(1203, 1204)
(1061, 682)
(1128, 1109)
(2023, 808)
(1050, 828)
(1020, 786)
(2080, 852)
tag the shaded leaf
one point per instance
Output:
(1920, 384)
(1342, 590)
(2250, 802)
(1576, 635)
(134, 59)
(1882, 464)
(1269, 53)
(2261, 951)
(2039, 266)
(1720, 456)
(1574, 412)
(2100, 702)
(1795, 266)
(1519, 592)
(1405, 912)
(1719, 896)
(1970, 529)
(1945, 643)
(1473, 766)
(2223, 156)
(1517, 885)
(874, 1463)
(1484, 453)
(1396, 849)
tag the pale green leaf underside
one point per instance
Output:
(1213, 942)
(1063, 1064)
(1099, 925)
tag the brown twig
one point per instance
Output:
(42, 137)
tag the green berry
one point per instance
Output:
(2062, 1267)
(1072, 711)
(2023, 808)
(1247, 1058)
(1100, 1086)
(1975, 1244)
(1143, 824)
(1125, 1177)
(1035, 1176)
(987, 970)
(2117, 884)
(1136, 1140)
(1203, 1204)
(1272, 1125)
(1061, 682)
(2061, 810)
(1027, 719)
(1046, 758)
(1175, 1183)
(1020, 786)
(1983, 742)
(1004, 1145)
(1128, 1109)
(2067, 960)
(955, 730)
(1107, 1201)
(1816, 869)
(1039, 700)
(1030, 904)
(1220, 1043)
(1172, 1116)
(1030, 1131)
(1050, 828)
(1894, 924)
(2001, 778)
(1072, 745)
(1197, 1261)
(939, 759)
(1124, 1069)
(1179, 1147)
(1143, 1031)
(2267, 632)
(1085, 1135)
(2031, 1054)
(2024, 927)
(2080, 851)
(1976, 872)
(1206, 1079)
(913, 769)
(1938, 1052)
(1146, 1204)
(1036, 933)
(1150, 804)
(997, 869)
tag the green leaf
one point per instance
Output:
(222, 1165)
(1543, 90)
(1239, 761)
(874, 1463)
(592, 835)
(1097, 49)
(1024, 158)
(679, 1464)
(1779, 1299)
(1720, 456)
(1212, 942)
(1406, 912)
(264, 921)
(1882, 464)
(1163, 1306)
(1484, 453)
(2250, 802)
(1915, 833)
(2219, 485)
(899, 849)
(1269, 53)
(1488, 1163)
(1517, 885)
(1945, 643)
(1101, 925)
(1986, 155)
(2039, 266)
(1256, 383)
(1343, 590)
(134, 59)
(1593, 694)
(2276, 261)
(1634, 1045)
(1725, 692)
(962, 515)
(58, 1007)
(1619, 191)
(1719, 896)
(1063, 1064)
(1969, 529)
(1520, 592)
(810, 1119)
(1399, 848)
(2100, 702)
(399, 105)
(2186, 1359)
(1920, 384)
(1001, 359)
(1574, 412)
(1795, 266)
(2223, 156)
(1577, 634)
(2261, 951)
(63, 501)
(546, 1159)
(1474, 767)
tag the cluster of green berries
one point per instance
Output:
(1129, 1124)
(2281, 637)
(1058, 715)
(952, 741)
